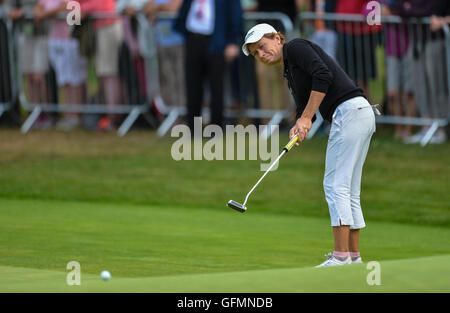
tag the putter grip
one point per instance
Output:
(291, 143)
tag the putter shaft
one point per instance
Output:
(267, 171)
(241, 207)
(286, 149)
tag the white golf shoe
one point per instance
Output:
(332, 261)
(357, 260)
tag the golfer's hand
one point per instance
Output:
(301, 128)
(292, 133)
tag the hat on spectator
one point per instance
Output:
(255, 34)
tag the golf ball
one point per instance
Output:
(105, 275)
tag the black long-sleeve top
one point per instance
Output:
(308, 68)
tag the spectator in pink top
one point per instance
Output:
(64, 55)
(109, 36)
(102, 7)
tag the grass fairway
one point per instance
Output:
(123, 204)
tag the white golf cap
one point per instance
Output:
(255, 34)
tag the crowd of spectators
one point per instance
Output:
(199, 50)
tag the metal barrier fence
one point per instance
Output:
(401, 63)
(132, 109)
(372, 57)
(136, 101)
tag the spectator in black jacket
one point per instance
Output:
(212, 29)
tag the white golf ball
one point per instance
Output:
(105, 275)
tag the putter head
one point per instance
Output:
(236, 206)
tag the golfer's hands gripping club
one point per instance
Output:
(300, 129)
(291, 143)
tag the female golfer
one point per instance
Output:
(317, 82)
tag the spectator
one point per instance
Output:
(357, 44)
(242, 79)
(323, 36)
(429, 56)
(170, 52)
(132, 65)
(65, 58)
(32, 56)
(399, 74)
(5, 87)
(435, 57)
(109, 38)
(212, 29)
(11, 116)
(288, 7)
(242, 76)
(249, 5)
(130, 7)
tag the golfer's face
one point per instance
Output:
(268, 51)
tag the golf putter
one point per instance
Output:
(241, 207)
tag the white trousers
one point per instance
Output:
(353, 125)
(69, 65)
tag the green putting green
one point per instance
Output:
(161, 249)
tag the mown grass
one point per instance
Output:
(148, 241)
(401, 183)
(123, 204)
